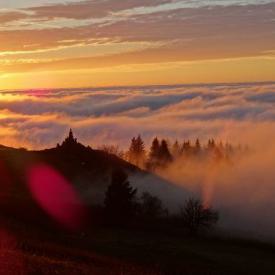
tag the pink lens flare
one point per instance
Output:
(56, 196)
(38, 92)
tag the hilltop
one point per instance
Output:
(87, 170)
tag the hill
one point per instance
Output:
(31, 242)
(86, 170)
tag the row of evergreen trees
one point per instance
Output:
(159, 154)
(162, 153)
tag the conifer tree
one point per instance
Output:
(164, 154)
(211, 144)
(186, 148)
(153, 159)
(136, 152)
(119, 200)
(176, 149)
(197, 146)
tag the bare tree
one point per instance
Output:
(196, 217)
(112, 149)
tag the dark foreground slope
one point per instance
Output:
(88, 171)
(113, 251)
(85, 171)
(31, 242)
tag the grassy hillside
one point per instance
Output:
(32, 243)
(113, 251)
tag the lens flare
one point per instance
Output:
(56, 196)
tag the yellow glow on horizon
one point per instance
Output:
(209, 71)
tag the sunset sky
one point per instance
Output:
(54, 43)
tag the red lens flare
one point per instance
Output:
(56, 196)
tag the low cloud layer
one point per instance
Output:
(38, 119)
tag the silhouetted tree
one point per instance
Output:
(176, 149)
(164, 154)
(211, 144)
(150, 206)
(136, 152)
(120, 205)
(197, 146)
(196, 217)
(186, 148)
(153, 160)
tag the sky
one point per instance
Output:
(66, 44)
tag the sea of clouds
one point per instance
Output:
(240, 113)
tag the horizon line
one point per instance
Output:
(110, 87)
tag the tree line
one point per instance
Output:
(162, 152)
